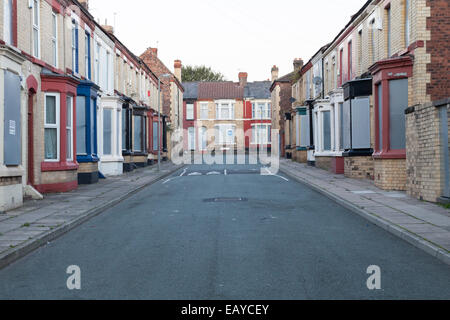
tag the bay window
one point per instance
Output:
(203, 134)
(225, 134)
(81, 125)
(326, 130)
(225, 110)
(139, 124)
(155, 136)
(191, 138)
(51, 126)
(107, 131)
(391, 101)
(261, 134)
(36, 29)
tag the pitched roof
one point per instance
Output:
(258, 90)
(190, 90)
(220, 90)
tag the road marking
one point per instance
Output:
(275, 175)
(195, 174)
(184, 171)
(225, 172)
(215, 173)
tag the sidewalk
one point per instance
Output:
(39, 221)
(425, 225)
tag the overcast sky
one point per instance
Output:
(228, 35)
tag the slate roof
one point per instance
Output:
(258, 90)
(190, 90)
(220, 90)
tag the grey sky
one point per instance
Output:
(228, 35)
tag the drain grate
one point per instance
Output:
(225, 200)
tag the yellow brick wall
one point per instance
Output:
(390, 174)
(359, 167)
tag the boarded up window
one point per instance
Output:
(12, 133)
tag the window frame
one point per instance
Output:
(75, 47)
(69, 127)
(56, 126)
(192, 112)
(204, 106)
(407, 22)
(257, 128)
(8, 12)
(54, 39)
(36, 27)
(87, 55)
(230, 105)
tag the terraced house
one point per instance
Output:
(227, 115)
(383, 113)
(76, 103)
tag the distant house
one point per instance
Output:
(227, 115)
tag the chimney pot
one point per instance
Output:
(154, 51)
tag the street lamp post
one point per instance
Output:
(166, 75)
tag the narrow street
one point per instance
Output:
(226, 232)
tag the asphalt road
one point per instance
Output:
(239, 235)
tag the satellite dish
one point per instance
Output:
(317, 81)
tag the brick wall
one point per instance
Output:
(439, 48)
(423, 165)
(359, 167)
(155, 64)
(324, 163)
(390, 174)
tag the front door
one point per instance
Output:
(191, 138)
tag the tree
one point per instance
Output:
(200, 73)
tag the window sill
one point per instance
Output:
(391, 154)
(48, 166)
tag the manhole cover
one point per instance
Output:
(225, 200)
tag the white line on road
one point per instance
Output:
(184, 171)
(275, 175)
(225, 172)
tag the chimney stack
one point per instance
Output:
(298, 64)
(274, 73)
(177, 69)
(243, 79)
(108, 29)
(154, 51)
(84, 3)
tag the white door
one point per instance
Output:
(191, 138)
(203, 138)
